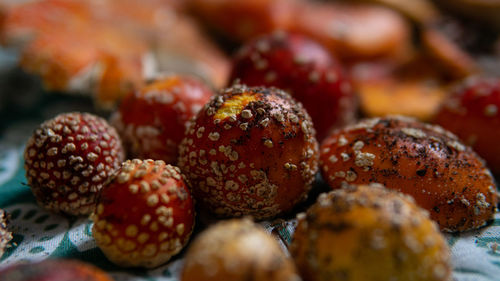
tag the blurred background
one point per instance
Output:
(402, 56)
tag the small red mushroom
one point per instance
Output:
(303, 68)
(444, 176)
(69, 158)
(472, 112)
(53, 270)
(152, 120)
(250, 151)
(145, 215)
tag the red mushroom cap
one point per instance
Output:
(145, 215)
(444, 176)
(69, 158)
(250, 151)
(303, 68)
(152, 120)
(471, 112)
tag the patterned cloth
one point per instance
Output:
(39, 235)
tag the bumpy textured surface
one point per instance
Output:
(367, 233)
(160, 217)
(471, 112)
(427, 162)
(237, 250)
(69, 158)
(152, 120)
(250, 151)
(303, 68)
(5, 234)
